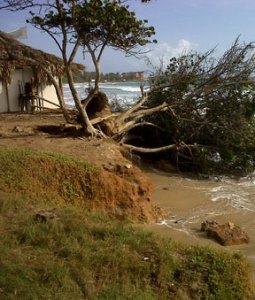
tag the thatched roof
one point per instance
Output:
(15, 55)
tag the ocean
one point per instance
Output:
(126, 92)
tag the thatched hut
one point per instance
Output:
(23, 70)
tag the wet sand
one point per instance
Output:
(187, 204)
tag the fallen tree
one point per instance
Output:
(201, 107)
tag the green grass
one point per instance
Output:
(55, 177)
(79, 255)
(83, 256)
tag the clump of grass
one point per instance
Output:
(214, 273)
(83, 256)
(54, 176)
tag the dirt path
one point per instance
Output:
(23, 130)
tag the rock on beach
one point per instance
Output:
(227, 234)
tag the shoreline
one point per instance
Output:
(187, 204)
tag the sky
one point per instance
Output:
(181, 26)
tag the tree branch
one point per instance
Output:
(74, 51)
(145, 112)
(126, 114)
(159, 149)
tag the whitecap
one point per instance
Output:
(121, 88)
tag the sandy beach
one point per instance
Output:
(187, 204)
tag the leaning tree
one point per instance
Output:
(92, 24)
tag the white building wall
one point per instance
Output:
(48, 92)
(19, 78)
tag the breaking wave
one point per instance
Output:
(127, 91)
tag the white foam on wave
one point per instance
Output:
(217, 189)
(237, 194)
(170, 224)
(129, 92)
(131, 89)
(183, 224)
(247, 182)
(223, 196)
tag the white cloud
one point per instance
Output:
(162, 52)
(115, 61)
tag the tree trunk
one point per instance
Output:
(96, 86)
(62, 102)
(86, 124)
(59, 92)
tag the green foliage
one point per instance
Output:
(111, 23)
(213, 105)
(95, 24)
(111, 77)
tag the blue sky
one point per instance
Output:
(181, 25)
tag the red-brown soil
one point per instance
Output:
(125, 191)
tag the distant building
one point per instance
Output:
(139, 75)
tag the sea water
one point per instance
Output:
(237, 193)
(189, 201)
(125, 92)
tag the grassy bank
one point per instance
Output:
(80, 255)
(53, 177)
(63, 180)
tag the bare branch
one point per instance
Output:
(74, 51)
(159, 149)
(101, 119)
(145, 112)
(132, 109)
(131, 125)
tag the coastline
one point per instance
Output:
(187, 204)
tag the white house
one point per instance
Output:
(25, 83)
